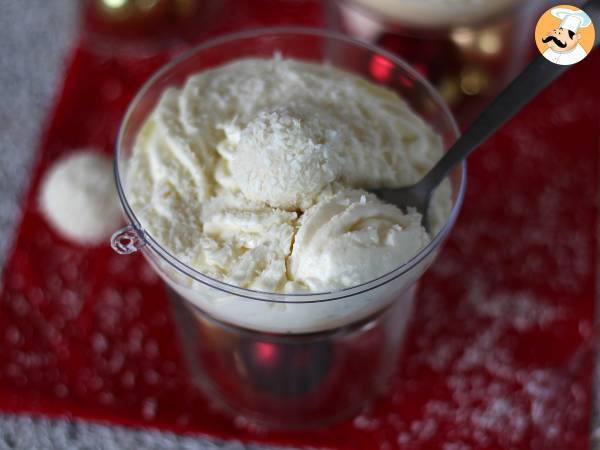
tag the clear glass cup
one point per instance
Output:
(289, 360)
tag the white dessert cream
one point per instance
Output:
(436, 13)
(253, 173)
(351, 238)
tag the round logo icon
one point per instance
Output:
(565, 35)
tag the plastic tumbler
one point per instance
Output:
(289, 360)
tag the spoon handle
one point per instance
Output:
(534, 79)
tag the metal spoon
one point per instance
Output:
(534, 79)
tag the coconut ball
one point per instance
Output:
(79, 199)
(285, 157)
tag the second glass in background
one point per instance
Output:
(468, 52)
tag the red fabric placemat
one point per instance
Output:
(499, 355)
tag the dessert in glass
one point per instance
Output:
(469, 50)
(243, 168)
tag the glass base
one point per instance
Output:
(292, 380)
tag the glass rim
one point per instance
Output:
(277, 297)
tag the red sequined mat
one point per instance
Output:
(500, 351)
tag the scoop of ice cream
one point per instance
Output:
(351, 238)
(245, 243)
(284, 157)
(169, 179)
(79, 199)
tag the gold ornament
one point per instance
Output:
(185, 8)
(463, 37)
(473, 80)
(449, 89)
(489, 42)
(131, 11)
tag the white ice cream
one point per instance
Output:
(252, 174)
(352, 238)
(285, 157)
(435, 13)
